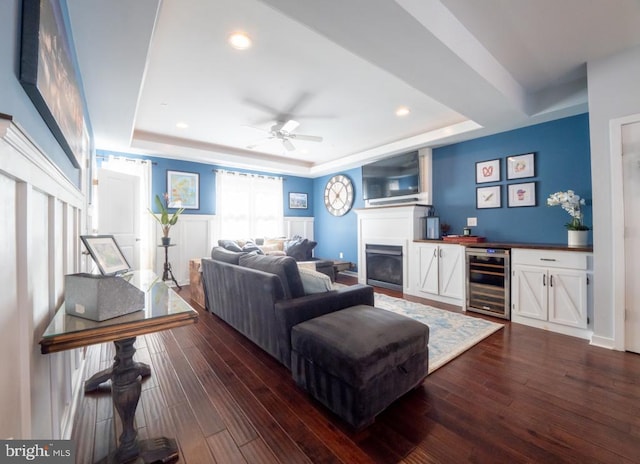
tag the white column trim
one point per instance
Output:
(618, 277)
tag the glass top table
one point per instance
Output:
(164, 309)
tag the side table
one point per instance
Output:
(164, 309)
(167, 273)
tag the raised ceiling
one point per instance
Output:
(340, 68)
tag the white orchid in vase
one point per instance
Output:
(571, 203)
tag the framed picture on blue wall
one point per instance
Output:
(183, 189)
(488, 197)
(521, 166)
(488, 171)
(522, 194)
(297, 200)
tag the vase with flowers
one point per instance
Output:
(164, 219)
(572, 203)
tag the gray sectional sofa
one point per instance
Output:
(262, 297)
(350, 356)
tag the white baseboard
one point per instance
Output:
(603, 342)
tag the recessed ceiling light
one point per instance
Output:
(239, 41)
(182, 125)
(402, 111)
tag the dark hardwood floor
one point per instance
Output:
(521, 395)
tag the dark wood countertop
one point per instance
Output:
(509, 245)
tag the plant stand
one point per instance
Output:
(167, 273)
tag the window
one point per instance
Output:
(248, 205)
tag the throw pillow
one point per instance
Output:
(300, 249)
(314, 281)
(229, 245)
(251, 247)
(309, 251)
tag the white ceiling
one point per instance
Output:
(340, 68)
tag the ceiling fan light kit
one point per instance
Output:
(283, 132)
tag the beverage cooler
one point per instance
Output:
(488, 284)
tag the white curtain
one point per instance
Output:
(142, 169)
(248, 205)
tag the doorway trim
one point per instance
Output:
(617, 235)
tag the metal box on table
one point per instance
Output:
(98, 298)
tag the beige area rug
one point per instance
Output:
(450, 334)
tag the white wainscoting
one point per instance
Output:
(42, 215)
(302, 226)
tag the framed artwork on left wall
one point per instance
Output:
(48, 76)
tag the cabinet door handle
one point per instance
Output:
(551, 281)
(547, 259)
(544, 280)
(441, 252)
(435, 252)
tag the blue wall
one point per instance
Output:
(337, 234)
(562, 162)
(298, 185)
(207, 182)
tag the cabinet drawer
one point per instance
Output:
(550, 258)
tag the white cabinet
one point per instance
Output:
(437, 271)
(549, 290)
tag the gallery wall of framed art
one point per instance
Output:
(519, 194)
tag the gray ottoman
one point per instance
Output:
(359, 360)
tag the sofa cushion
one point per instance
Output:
(300, 248)
(314, 281)
(230, 245)
(284, 267)
(224, 255)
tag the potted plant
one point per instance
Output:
(571, 203)
(165, 221)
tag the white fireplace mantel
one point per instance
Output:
(390, 225)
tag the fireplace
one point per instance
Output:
(384, 266)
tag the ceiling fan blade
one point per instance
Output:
(257, 143)
(309, 138)
(288, 145)
(289, 126)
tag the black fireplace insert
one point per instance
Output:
(384, 266)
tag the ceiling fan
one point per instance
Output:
(284, 132)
